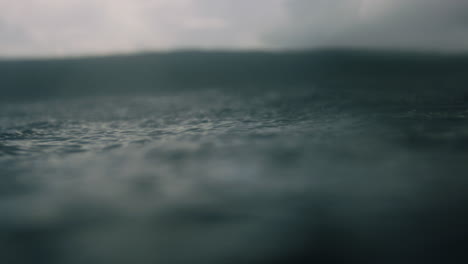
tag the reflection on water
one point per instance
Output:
(211, 178)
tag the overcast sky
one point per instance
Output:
(76, 27)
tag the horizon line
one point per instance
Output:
(98, 55)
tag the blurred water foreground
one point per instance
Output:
(195, 157)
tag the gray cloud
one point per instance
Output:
(407, 24)
(70, 27)
(50, 27)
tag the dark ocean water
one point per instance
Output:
(221, 176)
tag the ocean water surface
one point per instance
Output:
(222, 176)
